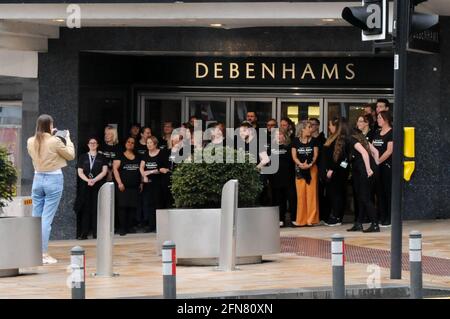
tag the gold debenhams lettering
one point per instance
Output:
(285, 71)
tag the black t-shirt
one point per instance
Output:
(110, 152)
(370, 135)
(356, 157)
(140, 149)
(249, 148)
(155, 162)
(85, 163)
(380, 142)
(163, 143)
(129, 171)
(305, 151)
(285, 172)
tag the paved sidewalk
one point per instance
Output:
(302, 265)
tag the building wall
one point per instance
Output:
(59, 90)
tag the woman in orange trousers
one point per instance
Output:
(304, 154)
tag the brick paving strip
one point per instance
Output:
(320, 248)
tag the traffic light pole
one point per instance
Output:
(401, 33)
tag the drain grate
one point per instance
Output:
(320, 248)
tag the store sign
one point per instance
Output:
(252, 70)
(313, 72)
(292, 71)
(427, 41)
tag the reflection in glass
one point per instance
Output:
(299, 111)
(208, 111)
(263, 110)
(159, 111)
(10, 133)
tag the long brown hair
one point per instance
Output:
(362, 140)
(43, 124)
(336, 123)
(339, 147)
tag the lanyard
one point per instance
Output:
(91, 162)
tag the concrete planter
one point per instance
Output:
(196, 232)
(20, 244)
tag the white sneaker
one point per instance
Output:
(48, 260)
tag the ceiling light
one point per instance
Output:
(215, 25)
(328, 20)
(59, 20)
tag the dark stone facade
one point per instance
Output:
(427, 109)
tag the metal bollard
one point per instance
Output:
(228, 228)
(105, 231)
(78, 265)
(415, 265)
(338, 263)
(169, 261)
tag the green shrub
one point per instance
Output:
(199, 185)
(8, 178)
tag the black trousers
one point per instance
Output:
(280, 195)
(324, 207)
(126, 217)
(87, 216)
(365, 187)
(336, 194)
(166, 198)
(384, 187)
(151, 195)
(292, 199)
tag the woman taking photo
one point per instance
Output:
(49, 154)
(304, 153)
(92, 168)
(128, 179)
(335, 168)
(153, 165)
(364, 168)
(283, 180)
(383, 142)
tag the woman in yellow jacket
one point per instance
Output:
(49, 154)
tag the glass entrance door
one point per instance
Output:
(263, 107)
(348, 108)
(209, 109)
(300, 109)
(154, 111)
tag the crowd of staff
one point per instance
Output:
(310, 183)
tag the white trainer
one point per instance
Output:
(48, 260)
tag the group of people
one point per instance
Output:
(310, 182)
(315, 185)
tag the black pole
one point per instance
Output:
(402, 12)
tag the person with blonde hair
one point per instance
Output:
(50, 150)
(110, 149)
(304, 153)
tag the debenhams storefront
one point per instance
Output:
(93, 76)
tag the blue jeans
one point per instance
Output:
(46, 194)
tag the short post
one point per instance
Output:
(78, 265)
(105, 231)
(415, 265)
(169, 261)
(228, 226)
(337, 262)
